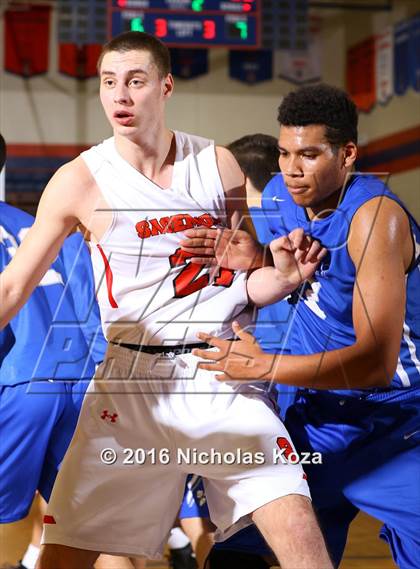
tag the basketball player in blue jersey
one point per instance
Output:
(135, 194)
(37, 412)
(355, 335)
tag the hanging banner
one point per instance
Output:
(78, 61)
(26, 40)
(81, 31)
(189, 63)
(384, 65)
(361, 82)
(304, 65)
(251, 66)
(415, 52)
(402, 33)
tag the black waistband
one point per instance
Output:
(179, 349)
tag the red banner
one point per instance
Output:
(361, 82)
(26, 39)
(78, 61)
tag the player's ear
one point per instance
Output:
(168, 85)
(349, 154)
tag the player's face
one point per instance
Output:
(313, 171)
(132, 93)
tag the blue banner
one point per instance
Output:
(189, 63)
(415, 52)
(251, 66)
(402, 57)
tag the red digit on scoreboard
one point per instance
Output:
(161, 27)
(209, 29)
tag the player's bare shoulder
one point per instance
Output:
(230, 173)
(381, 224)
(72, 192)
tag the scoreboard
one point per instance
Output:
(233, 24)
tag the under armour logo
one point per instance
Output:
(105, 415)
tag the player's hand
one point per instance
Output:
(230, 248)
(241, 360)
(296, 257)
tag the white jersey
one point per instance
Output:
(148, 290)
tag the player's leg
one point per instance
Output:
(312, 422)
(119, 487)
(290, 528)
(116, 562)
(200, 533)
(54, 556)
(194, 519)
(247, 476)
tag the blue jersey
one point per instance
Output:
(44, 340)
(79, 280)
(272, 320)
(323, 310)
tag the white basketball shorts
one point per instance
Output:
(146, 422)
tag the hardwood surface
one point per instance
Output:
(364, 549)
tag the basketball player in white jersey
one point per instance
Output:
(149, 417)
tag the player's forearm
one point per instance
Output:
(266, 286)
(346, 368)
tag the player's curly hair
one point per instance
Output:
(325, 105)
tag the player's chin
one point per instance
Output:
(304, 199)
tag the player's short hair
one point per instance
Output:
(2, 152)
(258, 157)
(324, 105)
(140, 41)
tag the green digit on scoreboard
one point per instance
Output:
(197, 5)
(137, 25)
(243, 29)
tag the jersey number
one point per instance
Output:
(188, 280)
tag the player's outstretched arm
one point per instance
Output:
(381, 248)
(56, 217)
(295, 257)
(235, 247)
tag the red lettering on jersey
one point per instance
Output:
(224, 278)
(142, 228)
(49, 519)
(159, 227)
(181, 222)
(187, 281)
(206, 219)
(174, 224)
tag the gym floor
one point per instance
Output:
(364, 549)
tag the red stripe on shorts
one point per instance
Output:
(109, 278)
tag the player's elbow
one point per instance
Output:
(382, 367)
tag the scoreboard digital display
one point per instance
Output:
(233, 24)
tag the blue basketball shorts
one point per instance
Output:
(194, 503)
(37, 421)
